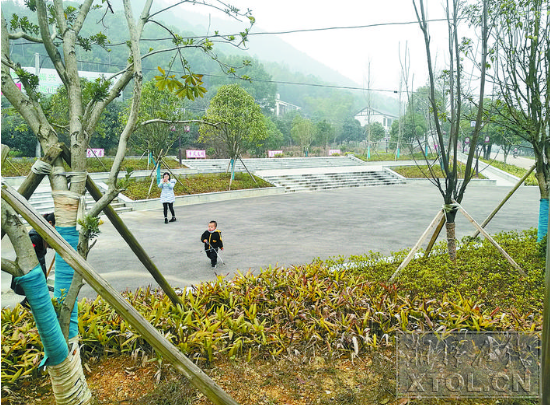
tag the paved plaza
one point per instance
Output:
(286, 230)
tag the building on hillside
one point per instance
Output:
(282, 107)
(384, 118)
(49, 80)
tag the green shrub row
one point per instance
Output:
(423, 171)
(334, 308)
(194, 184)
(22, 167)
(531, 180)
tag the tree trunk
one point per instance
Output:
(450, 225)
(451, 240)
(542, 176)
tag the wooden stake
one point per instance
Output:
(51, 267)
(497, 209)
(413, 251)
(434, 237)
(490, 239)
(33, 180)
(5, 151)
(248, 170)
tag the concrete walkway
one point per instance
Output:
(286, 230)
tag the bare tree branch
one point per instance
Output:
(12, 268)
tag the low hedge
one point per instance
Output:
(194, 184)
(531, 180)
(22, 166)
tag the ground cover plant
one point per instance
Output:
(390, 156)
(194, 184)
(422, 171)
(317, 333)
(22, 166)
(517, 171)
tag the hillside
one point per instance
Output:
(280, 59)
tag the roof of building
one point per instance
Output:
(377, 111)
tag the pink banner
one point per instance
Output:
(96, 152)
(273, 153)
(195, 154)
(334, 152)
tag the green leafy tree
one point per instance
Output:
(109, 136)
(377, 132)
(284, 124)
(414, 129)
(252, 77)
(239, 124)
(351, 131)
(161, 119)
(302, 132)
(505, 136)
(324, 133)
(275, 138)
(17, 135)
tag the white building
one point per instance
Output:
(49, 80)
(282, 107)
(384, 118)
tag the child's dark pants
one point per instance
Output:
(212, 253)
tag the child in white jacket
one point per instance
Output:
(167, 196)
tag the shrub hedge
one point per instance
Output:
(194, 184)
(22, 166)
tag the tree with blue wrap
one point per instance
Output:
(59, 28)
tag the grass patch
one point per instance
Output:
(423, 172)
(519, 172)
(319, 317)
(15, 167)
(195, 184)
(388, 157)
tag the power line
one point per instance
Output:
(307, 84)
(351, 27)
(328, 86)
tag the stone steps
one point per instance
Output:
(256, 164)
(328, 180)
(42, 201)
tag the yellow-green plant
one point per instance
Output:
(333, 308)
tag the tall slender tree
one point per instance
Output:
(452, 190)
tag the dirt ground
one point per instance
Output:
(291, 381)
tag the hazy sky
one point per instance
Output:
(349, 51)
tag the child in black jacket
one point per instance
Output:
(212, 239)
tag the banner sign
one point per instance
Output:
(273, 153)
(96, 152)
(334, 152)
(195, 154)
